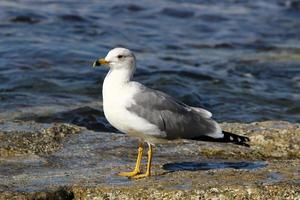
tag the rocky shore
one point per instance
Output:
(65, 161)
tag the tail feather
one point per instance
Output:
(228, 137)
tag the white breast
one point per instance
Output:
(115, 101)
(117, 96)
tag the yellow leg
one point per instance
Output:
(148, 172)
(137, 169)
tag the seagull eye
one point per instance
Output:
(120, 56)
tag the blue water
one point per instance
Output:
(239, 59)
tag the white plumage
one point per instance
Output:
(151, 115)
(121, 96)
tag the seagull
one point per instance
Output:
(151, 115)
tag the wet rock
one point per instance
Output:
(271, 139)
(62, 161)
(57, 194)
(29, 138)
(86, 116)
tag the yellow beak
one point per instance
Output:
(100, 62)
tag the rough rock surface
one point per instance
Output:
(63, 161)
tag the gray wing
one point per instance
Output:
(175, 118)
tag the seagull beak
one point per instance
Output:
(100, 62)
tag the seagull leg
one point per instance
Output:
(137, 169)
(148, 172)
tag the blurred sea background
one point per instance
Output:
(238, 59)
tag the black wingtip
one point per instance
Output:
(227, 138)
(236, 139)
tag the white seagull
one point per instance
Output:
(151, 115)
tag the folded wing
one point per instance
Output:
(175, 118)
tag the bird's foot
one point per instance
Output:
(139, 176)
(129, 174)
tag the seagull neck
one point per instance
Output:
(119, 76)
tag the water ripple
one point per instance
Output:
(239, 59)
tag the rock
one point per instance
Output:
(30, 138)
(63, 161)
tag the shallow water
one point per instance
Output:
(241, 60)
(194, 166)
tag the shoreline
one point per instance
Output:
(65, 161)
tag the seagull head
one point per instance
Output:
(118, 58)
